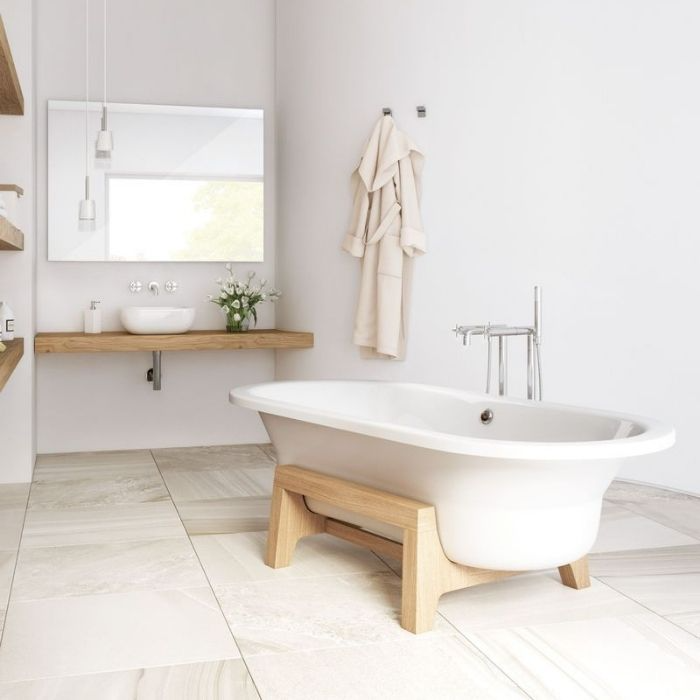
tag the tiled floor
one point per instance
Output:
(140, 576)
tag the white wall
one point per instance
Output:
(562, 148)
(17, 268)
(211, 53)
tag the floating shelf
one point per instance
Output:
(11, 98)
(10, 359)
(121, 341)
(12, 188)
(11, 238)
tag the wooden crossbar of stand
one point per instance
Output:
(427, 573)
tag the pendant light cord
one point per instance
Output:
(87, 93)
(104, 61)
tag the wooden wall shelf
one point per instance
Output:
(121, 341)
(10, 359)
(11, 98)
(12, 188)
(11, 238)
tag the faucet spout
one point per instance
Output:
(154, 288)
(468, 331)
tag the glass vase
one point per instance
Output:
(237, 326)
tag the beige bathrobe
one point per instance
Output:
(386, 232)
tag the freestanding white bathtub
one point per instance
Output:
(523, 491)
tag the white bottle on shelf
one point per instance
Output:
(7, 322)
(93, 318)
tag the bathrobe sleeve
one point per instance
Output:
(412, 234)
(356, 237)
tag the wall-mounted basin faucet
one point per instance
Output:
(154, 288)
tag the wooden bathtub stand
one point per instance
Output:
(427, 573)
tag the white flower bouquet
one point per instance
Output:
(238, 299)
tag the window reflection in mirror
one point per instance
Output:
(184, 184)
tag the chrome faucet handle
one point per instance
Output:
(171, 286)
(135, 287)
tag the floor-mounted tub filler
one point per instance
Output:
(465, 488)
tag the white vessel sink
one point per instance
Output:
(157, 320)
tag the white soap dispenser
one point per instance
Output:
(93, 318)
(7, 322)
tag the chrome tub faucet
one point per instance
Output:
(533, 334)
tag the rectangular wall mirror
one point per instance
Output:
(183, 183)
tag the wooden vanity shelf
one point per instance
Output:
(11, 98)
(11, 238)
(121, 341)
(10, 359)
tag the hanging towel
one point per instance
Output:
(387, 233)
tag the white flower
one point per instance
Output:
(236, 317)
(263, 283)
(251, 274)
(224, 295)
(236, 304)
(228, 266)
(263, 297)
(244, 300)
(225, 309)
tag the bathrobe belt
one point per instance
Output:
(383, 227)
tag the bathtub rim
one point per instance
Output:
(655, 435)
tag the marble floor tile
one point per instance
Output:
(689, 621)
(646, 562)
(115, 567)
(240, 557)
(55, 495)
(11, 522)
(225, 515)
(193, 485)
(622, 529)
(81, 465)
(419, 668)
(269, 449)
(214, 680)
(665, 594)
(531, 599)
(621, 491)
(270, 617)
(123, 523)
(120, 631)
(635, 657)
(680, 511)
(7, 569)
(13, 496)
(218, 457)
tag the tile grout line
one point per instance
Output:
(206, 576)
(479, 652)
(14, 569)
(646, 607)
(643, 514)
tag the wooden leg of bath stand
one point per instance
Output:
(420, 589)
(290, 520)
(575, 575)
(427, 572)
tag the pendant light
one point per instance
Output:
(105, 142)
(86, 210)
